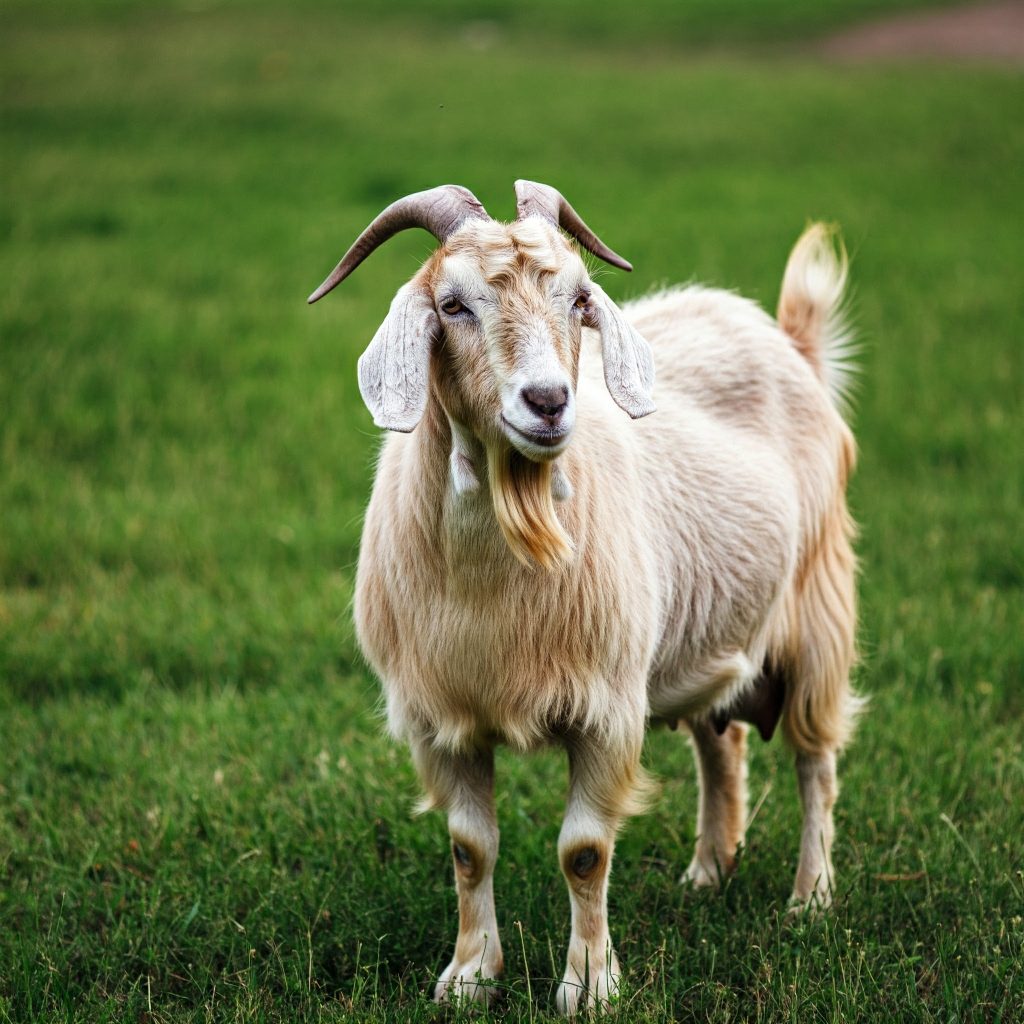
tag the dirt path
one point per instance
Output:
(985, 31)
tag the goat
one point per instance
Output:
(535, 568)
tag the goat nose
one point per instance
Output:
(548, 403)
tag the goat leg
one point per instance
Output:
(722, 810)
(463, 783)
(601, 791)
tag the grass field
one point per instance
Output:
(199, 818)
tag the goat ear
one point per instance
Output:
(628, 361)
(394, 370)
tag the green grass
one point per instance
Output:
(461, 23)
(199, 818)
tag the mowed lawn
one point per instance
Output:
(199, 816)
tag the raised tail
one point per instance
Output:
(811, 309)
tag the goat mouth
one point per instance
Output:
(550, 439)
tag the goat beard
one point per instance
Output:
(525, 508)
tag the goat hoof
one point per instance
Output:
(575, 997)
(815, 902)
(702, 876)
(468, 982)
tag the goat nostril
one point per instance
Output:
(547, 402)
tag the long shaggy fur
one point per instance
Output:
(525, 508)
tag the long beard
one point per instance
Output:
(525, 508)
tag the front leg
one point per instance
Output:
(464, 785)
(603, 788)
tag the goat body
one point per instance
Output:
(651, 570)
(688, 529)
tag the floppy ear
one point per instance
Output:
(395, 368)
(628, 361)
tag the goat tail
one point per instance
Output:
(811, 309)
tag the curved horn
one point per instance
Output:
(535, 199)
(440, 210)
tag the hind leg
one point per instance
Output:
(816, 780)
(722, 810)
(820, 706)
(817, 727)
(816, 777)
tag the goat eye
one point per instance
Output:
(452, 307)
(581, 300)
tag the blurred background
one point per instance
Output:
(199, 818)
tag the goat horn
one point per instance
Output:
(440, 210)
(535, 199)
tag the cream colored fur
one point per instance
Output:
(690, 546)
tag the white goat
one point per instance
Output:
(697, 567)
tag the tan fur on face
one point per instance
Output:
(505, 252)
(525, 509)
(520, 281)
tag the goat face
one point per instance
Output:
(502, 308)
(511, 301)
